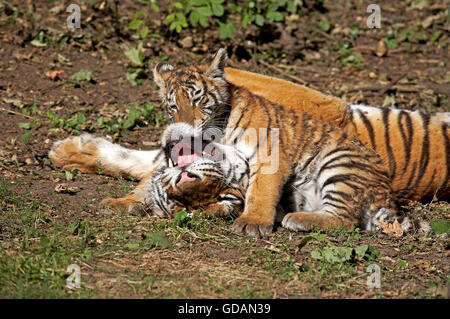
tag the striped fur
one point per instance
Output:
(414, 146)
(409, 150)
(336, 180)
(218, 188)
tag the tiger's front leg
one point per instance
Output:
(140, 195)
(260, 203)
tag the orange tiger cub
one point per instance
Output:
(414, 146)
(291, 155)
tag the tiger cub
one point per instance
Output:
(187, 172)
(414, 146)
(331, 178)
(197, 173)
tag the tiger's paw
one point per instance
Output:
(252, 226)
(119, 204)
(305, 221)
(78, 152)
(297, 222)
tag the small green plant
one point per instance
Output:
(440, 226)
(347, 57)
(334, 254)
(137, 114)
(202, 12)
(82, 76)
(182, 219)
(73, 125)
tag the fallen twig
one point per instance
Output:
(16, 113)
(400, 88)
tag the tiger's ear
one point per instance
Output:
(217, 65)
(159, 73)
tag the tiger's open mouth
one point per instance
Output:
(186, 151)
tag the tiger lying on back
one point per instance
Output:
(197, 173)
(214, 177)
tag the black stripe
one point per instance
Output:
(392, 164)
(425, 152)
(406, 136)
(334, 199)
(365, 168)
(369, 128)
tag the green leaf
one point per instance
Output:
(194, 17)
(391, 43)
(182, 219)
(45, 242)
(131, 246)
(69, 175)
(82, 76)
(247, 20)
(226, 30)
(304, 241)
(135, 24)
(144, 32)
(135, 77)
(157, 239)
(362, 250)
(25, 125)
(25, 137)
(170, 18)
(131, 118)
(205, 11)
(259, 20)
(402, 263)
(217, 9)
(435, 36)
(139, 13)
(274, 16)
(440, 226)
(198, 3)
(135, 56)
(325, 25)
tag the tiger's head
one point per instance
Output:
(199, 173)
(195, 94)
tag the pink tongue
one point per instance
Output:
(185, 178)
(184, 160)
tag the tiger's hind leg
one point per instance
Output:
(91, 154)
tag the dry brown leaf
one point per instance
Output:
(64, 189)
(381, 48)
(54, 74)
(394, 229)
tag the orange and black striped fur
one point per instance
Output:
(215, 185)
(414, 147)
(331, 178)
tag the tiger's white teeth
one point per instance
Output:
(170, 163)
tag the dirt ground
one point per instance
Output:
(403, 64)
